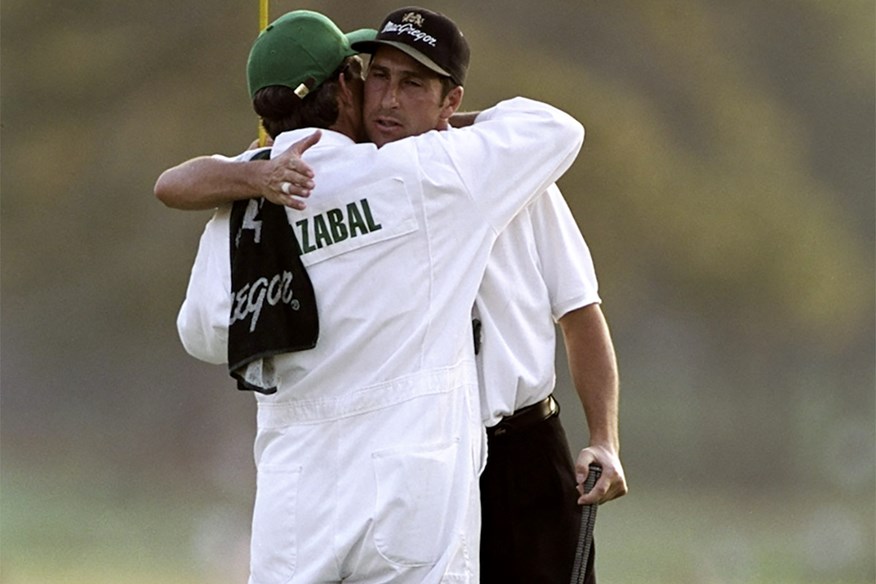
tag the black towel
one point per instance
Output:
(273, 306)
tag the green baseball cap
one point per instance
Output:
(300, 50)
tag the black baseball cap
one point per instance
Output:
(428, 37)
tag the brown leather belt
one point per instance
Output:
(527, 416)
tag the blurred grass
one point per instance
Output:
(72, 526)
(75, 526)
(690, 536)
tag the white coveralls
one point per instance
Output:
(369, 453)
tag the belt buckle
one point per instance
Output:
(553, 406)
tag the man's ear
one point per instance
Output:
(345, 89)
(452, 101)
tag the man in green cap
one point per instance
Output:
(300, 42)
(395, 241)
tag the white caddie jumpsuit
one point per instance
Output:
(369, 453)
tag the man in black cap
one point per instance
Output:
(414, 50)
(536, 275)
(540, 272)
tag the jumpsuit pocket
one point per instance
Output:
(274, 547)
(412, 526)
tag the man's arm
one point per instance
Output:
(202, 322)
(593, 366)
(511, 154)
(207, 182)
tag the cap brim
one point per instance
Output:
(360, 36)
(370, 46)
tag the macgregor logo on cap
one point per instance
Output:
(415, 18)
(428, 37)
(411, 21)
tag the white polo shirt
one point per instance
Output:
(539, 269)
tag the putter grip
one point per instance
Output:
(592, 476)
(585, 535)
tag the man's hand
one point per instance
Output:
(611, 484)
(593, 366)
(287, 179)
(207, 182)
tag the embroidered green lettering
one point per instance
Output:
(336, 224)
(354, 218)
(321, 231)
(372, 226)
(306, 247)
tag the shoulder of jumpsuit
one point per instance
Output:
(242, 157)
(560, 135)
(329, 138)
(432, 145)
(212, 265)
(218, 223)
(515, 107)
(523, 105)
(202, 321)
(516, 124)
(512, 110)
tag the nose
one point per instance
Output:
(390, 97)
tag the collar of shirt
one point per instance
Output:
(329, 138)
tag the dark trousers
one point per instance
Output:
(530, 510)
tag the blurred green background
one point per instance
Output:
(726, 188)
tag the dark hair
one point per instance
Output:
(281, 110)
(447, 85)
